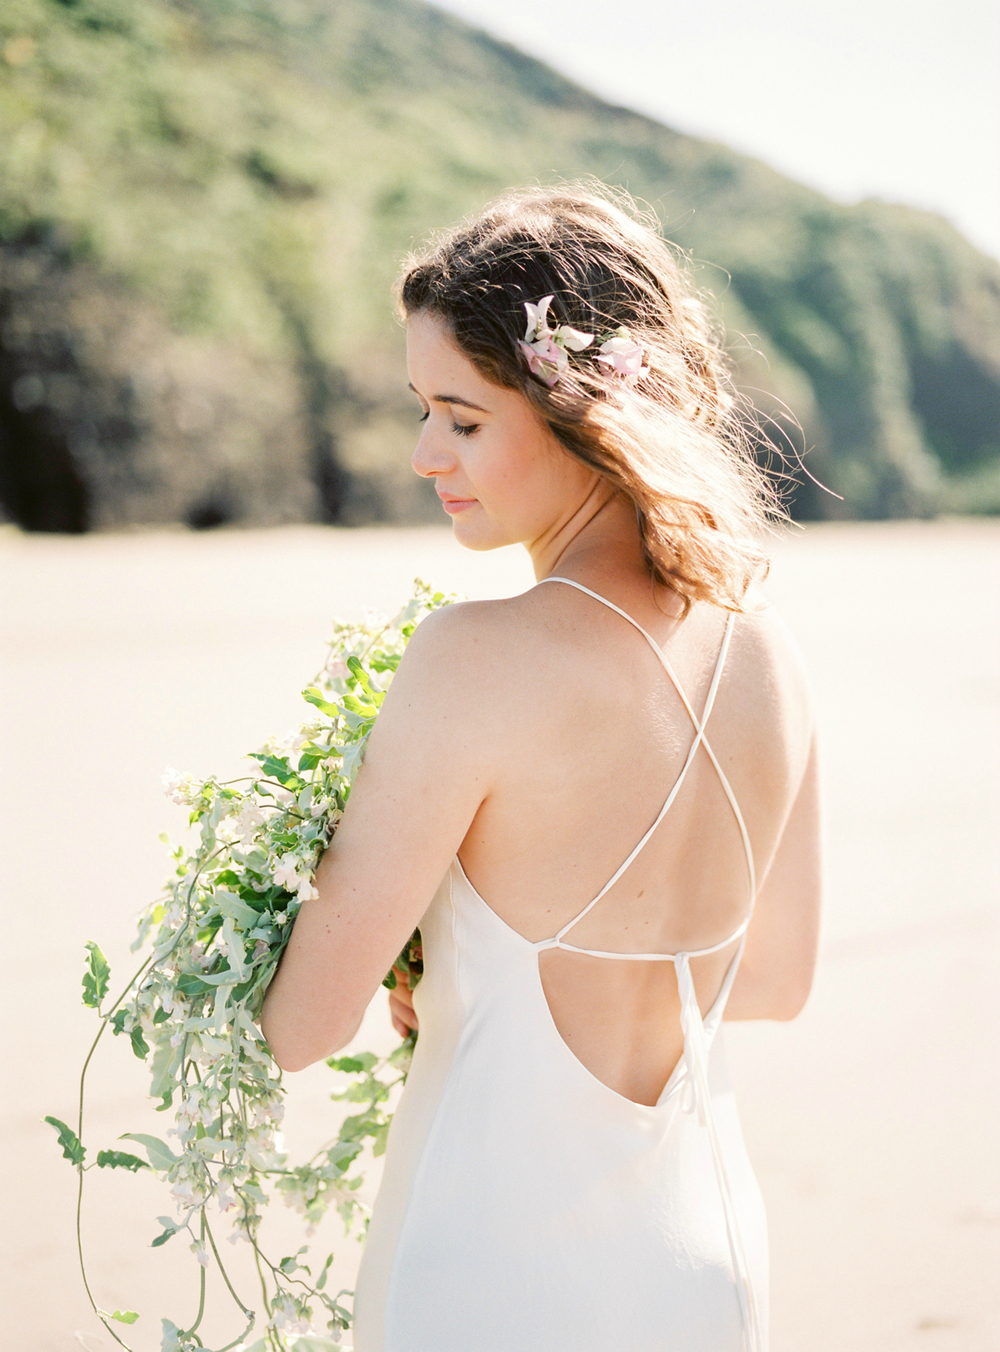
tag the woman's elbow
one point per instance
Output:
(294, 1049)
(790, 998)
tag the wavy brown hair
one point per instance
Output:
(672, 442)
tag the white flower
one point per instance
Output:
(289, 743)
(249, 822)
(179, 788)
(226, 832)
(225, 1197)
(286, 872)
(280, 918)
(201, 1254)
(306, 891)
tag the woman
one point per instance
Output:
(579, 794)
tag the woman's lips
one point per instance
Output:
(455, 505)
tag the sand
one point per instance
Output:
(872, 1120)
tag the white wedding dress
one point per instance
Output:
(528, 1207)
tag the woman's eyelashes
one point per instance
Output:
(460, 429)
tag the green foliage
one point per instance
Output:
(253, 173)
(118, 1159)
(215, 939)
(96, 976)
(160, 1155)
(71, 1146)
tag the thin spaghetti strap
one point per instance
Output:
(700, 738)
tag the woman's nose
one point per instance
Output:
(430, 458)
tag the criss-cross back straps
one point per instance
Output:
(700, 740)
(698, 1098)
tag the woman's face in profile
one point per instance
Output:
(501, 475)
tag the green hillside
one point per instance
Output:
(202, 208)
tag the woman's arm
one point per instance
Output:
(426, 770)
(776, 973)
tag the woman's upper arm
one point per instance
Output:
(426, 770)
(779, 960)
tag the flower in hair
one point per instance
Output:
(622, 354)
(546, 348)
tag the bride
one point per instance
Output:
(597, 800)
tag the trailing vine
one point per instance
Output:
(214, 938)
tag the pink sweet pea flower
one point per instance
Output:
(545, 348)
(623, 356)
(545, 360)
(538, 319)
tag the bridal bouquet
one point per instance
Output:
(215, 937)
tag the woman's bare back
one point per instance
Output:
(590, 741)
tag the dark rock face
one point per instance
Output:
(109, 418)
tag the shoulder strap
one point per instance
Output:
(699, 740)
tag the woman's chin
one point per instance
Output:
(475, 534)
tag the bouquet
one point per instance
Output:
(214, 939)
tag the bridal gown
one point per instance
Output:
(528, 1207)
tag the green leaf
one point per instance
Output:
(342, 1153)
(277, 767)
(170, 1229)
(362, 1063)
(118, 1022)
(231, 907)
(364, 711)
(118, 1159)
(358, 672)
(160, 1155)
(96, 976)
(139, 1044)
(315, 696)
(349, 1064)
(390, 981)
(321, 1279)
(125, 1316)
(72, 1147)
(189, 984)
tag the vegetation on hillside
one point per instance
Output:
(202, 208)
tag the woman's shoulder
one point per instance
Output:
(771, 680)
(767, 643)
(481, 643)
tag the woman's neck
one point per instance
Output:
(600, 538)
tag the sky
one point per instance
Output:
(897, 99)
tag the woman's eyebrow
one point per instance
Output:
(455, 399)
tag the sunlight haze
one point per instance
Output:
(886, 99)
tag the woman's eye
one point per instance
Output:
(424, 416)
(464, 429)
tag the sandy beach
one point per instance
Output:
(873, 1120)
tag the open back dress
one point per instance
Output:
(528, 1207)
